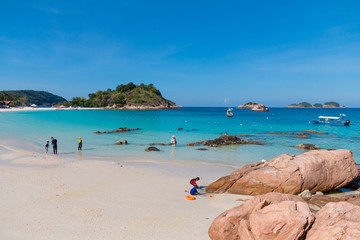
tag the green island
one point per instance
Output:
(316, 105)
(15, 98)
(125, 96)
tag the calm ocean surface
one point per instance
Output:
(158, 127)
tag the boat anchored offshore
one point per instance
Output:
(260, 109)
(229, 112)
(337, 121)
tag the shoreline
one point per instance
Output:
(57, 197)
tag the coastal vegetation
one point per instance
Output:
(27, 97)
(316, 105)
(124, 96)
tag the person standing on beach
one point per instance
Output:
(47, 147)
(54, 143)
(80, 144)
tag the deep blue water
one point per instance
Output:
(159, 126)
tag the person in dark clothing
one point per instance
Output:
(80, 144)
(194, 191)
(54, 143)
(193, 182)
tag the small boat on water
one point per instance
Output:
(260, 109)
(337, 121)
(229, 112)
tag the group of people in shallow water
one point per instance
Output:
(54, 145)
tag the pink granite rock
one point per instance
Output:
(320, 170)
(338, 221)
(269, 216)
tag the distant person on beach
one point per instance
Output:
(226, 133)
(194, 191)
(173, 140)
(80, 144)
(193, 182)
(47, 147)
(54, 143)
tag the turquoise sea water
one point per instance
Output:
(158, 126)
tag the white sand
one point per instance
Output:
(47, 197)
(30, 109)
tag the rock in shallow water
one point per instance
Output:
(152, 149)
(320, 170)
(122, 142)
(224, 140)
(307, 146)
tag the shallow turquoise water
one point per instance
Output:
(159, 126)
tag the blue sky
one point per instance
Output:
(198, 53)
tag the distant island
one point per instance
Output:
(14, 98)
(316, 105)
(125, 96)
(251, 105)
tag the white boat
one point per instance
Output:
(337, 121)
(229, 112)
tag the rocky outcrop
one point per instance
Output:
(320, 170)
(224, 140)
(251, 105)
(125, 129)
(284, 216)
(264, 217)
(307, 146)
(121, 142)
(336, 221)
(152, 149)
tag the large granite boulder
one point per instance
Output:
(336, 221)
(320, 170)
(224, 140)
(264, 217)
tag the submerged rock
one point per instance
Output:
(320, 170)
(313, 131)
(224, 140)
(160, 144)
(122, 142)
(152, 149)
(202, 149)
(125, 129)
(307, 146)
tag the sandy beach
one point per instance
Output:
(61, 197)
(30, 109)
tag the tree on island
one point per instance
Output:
(123, 95)
(333, 104)
(318, 105)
